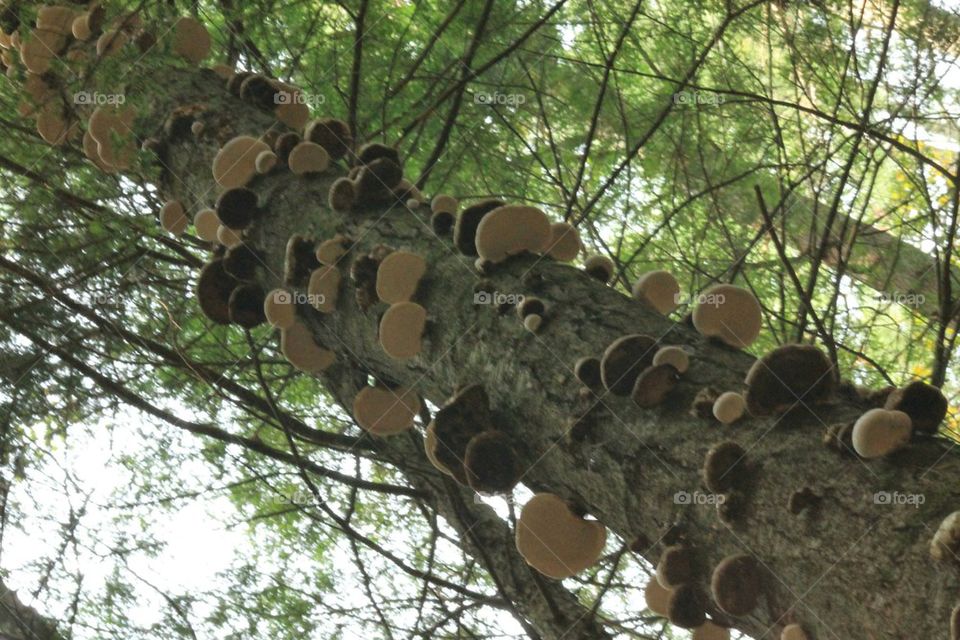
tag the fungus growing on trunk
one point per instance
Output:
(587, 370)
(599, 267)
(401, 330)
(302, 351)
(730, 314)
(238, 208)
(330, 251)
(331, 134)
(279, 309)
(363, 272)
(173, 218)
(659, 289)
(729, 407)
(623, 362)
(265, 162)
(465, 229)
(300, 260)
(109, 43)
(702, 406)
(236, 162)
(242, 261)
(677, 566)
(190, 40)
(228, 237)
(214, 287)
(793, 632)
(245, 306)
(324, 288)
(789, 376)
(945, 545)
(530, 310)
(924, 403)
(554, 540)
(462, 417)
(653, 384)
(342, 194)
(491, 464)
(725, 467)
(736, 584)
(710, 631)
(206, 224)
(383, 411)
(399, 275)
(441, 221)
(564, 243)
(308, 158)
(880, 432)
(259, 91)
(674, 356)
(442, 203)
(375, 182)
(657, 596)
(686, 606)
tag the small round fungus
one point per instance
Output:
(491, 463)
(564, 243)
(725, 467)
(385, 412)
(710, 631)
(465, 229)
(330, 251)
(443, 203)
(554, 540)
(924, 403)
(737, 583)
(197, 128)
(399, 275)
(675, 356)
(286, 143)
(623, 362)
(587, 370)
(686, 606)
(228, 237)
(599, 267)
(880, 432)
(729, 407)
(214, 287)
(790, 375)
(246, 306)
(236, 162)
(677, 566)
(324, 288)
(532, 323)
(657, 597)
(793, 632)
(265, 162)
(307, 158)
(730, 314)
(342, 194)
(173, 218)
(302, 351)
(401, 329)
(279, 309)
(510, 230)
(653, 384)
(659, 289)
(331, 134)
(190, 40)
(237, 208)
(945, 546)
(206, 223)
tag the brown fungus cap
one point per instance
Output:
(331, 134)
(245, 306)
(300, 260)
(623, 362)
(401, 330)
(725, 467)
(342, 194)
(710, 631)
(308, 158)
(399, 275)
(673, 355)
(236, 162)
(464, 416)
(730, 314)
(564, 243)
(465, 229)
(657, 596)
(441, 221)
(530, 306)
(659, 289)
(790, 375)
(385, 412)
(266, 162)
(945, 545)
(190, 40)
(302, 351)
(677, 566)
(430, 448)
(794, 632)
(259, 91)
(330, 251)
(214, 287)
(491, 463)
(880, 432)
(206, 223)
(443, 203)
(702, 406)
(324, 288)
(554, 540)
(599, 267)
(237, 208)
(686, 606)
(736, 584)
(228, 237)
(653, 384)
(279, 309)
(242, 261)
(173, 218)
(286, 143)
(587, 370)
(729, 407)
(924, 403)
(372, 151)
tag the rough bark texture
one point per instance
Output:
(849, 569)
(20, 622)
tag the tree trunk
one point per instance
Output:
(850, 569)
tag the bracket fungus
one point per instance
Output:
(725, 467)
(342, 194)
(330, 251)
(490, 463)
(331, 134)
(300, 260)
(190, 40)
(401, 329)
(363, 272)
(686, 606)
(383, 411)
(530, 310)
(242, 261)
(324, 288)
(308, 158)
(737, 583)
(279, 309)
(399, 275)
(729, 407)
(462, 417)
(880, 432)
(677, 566)
(945, 545)
(599, 267)
(659, 289)
(441, 222)
(374, 183)
(710, 631)
(702, 406)
(554, 540)
(729, 313)
(924, 403)
(302, 351)
(238, 208)
(214, 287)
(259, 91)
(675, 356)
(564, 243)
(112, 128)
(266, 162)
(653, 384)
(623, 362)
(465, 229)
(587, 371)
(656, 597)
(789, 376)
(173, 218)
(228, 237)
(245, 306)
(236, 162)
(442, 203)
(206, 223)
(793, 632)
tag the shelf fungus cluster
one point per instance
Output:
(375, 180)
(464, 442)
(555, 540)
(676, 593)
(383, 410)
(915, 410)
(634, 366)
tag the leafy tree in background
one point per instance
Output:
(805, 151)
